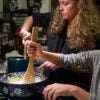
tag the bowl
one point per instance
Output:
(22, 91)
(17, 64)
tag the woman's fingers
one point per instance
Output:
(25, 35)
(49, 65)
(33, 48)
(25, 38)
(44, 65)
(50, 92)
(46, 92)
(30, 48)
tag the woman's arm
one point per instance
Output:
(84, 59)
(25, 28)
(52, 57)
(40, 19)
(27, 23)
(80, 94)
(36, 48)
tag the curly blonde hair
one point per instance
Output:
(83, 28)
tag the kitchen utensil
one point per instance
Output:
(25, 52)
(22, 91)
(29, 74)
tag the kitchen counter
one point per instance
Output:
(2, 71)
(3, 68)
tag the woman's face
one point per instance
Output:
(68, 9)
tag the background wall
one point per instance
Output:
(46, 6)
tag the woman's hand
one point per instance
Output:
(25, 35)
(33, 48)
(49, 65)
(51, 92)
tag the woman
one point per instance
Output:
(73, 29)
(86, 60)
